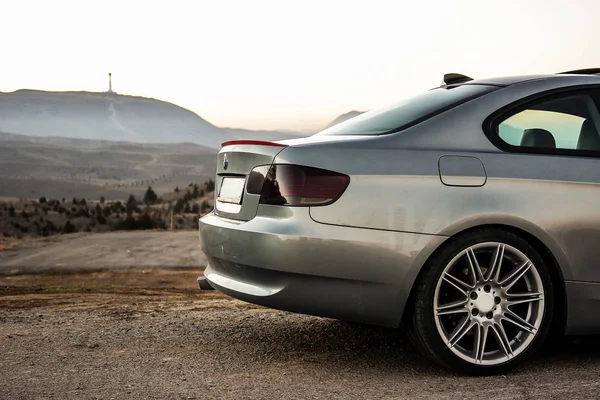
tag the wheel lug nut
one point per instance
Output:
(497, 300)
(489, 315)
(487, 288)
(475, 312)
(473, 296)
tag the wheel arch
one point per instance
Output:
(555, 268)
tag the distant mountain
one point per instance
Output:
(344, 117)
(113, 117)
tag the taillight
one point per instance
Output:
(295, 185)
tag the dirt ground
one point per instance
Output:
(98, 251)
(151, 334)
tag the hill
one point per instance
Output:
(344, 117)
(112, 117)
(58, 167)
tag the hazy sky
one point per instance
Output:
(286, 64)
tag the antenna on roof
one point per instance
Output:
(453, 78)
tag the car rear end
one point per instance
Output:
(263, 246)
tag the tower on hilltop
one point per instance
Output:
(110, 89)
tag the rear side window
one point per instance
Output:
(407, 112)
(565, 123)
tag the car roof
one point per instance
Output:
(507, 80)
(453, 79)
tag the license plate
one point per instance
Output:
(231, 190)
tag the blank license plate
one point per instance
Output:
(231, 190)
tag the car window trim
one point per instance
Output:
(490, 124)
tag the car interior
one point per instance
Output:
(552, 133)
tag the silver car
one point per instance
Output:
(469, 213)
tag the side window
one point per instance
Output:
(568, 123)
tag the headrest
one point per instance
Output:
(588, 136)
(538, 138)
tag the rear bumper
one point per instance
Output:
(283, 259)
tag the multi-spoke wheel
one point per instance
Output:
(483, 303)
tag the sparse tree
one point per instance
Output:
(150, 196)
(102, 200)
(11, 211)
(132, 204)
(210, 185)
(42, 200)
(176, 189)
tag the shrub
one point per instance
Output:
(100, 218)
(195, 208)
(178, 207)
(42, 200)
(210, 185)
(101, 199)
(69, 227)
(11, 211)
(204, 206)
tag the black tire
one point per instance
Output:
(422, 325)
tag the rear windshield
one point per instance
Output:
(402, 114)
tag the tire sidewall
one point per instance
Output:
(424, 324)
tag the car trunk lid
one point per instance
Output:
(235, 162)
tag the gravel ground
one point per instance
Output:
(170, 341)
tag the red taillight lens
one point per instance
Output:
(295, 185)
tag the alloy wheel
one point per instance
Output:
(489, 303)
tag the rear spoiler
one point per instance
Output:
(251, 143)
